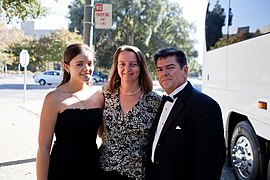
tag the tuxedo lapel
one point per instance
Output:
(172, 116)
(177, 107)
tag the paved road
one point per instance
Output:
(20, 121)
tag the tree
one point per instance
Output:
(173, 31)
(15, 49)
(76, 15)
(47, 49)
(9, 37)
(50, 48)
(22, 9)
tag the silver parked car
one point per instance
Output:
(48, 77)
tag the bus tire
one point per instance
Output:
(245, 152)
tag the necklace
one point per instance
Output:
(74, 95)
(130, 94)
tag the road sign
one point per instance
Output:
(103, 16)
(24, 58)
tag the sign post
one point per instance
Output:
(103, 16)
(88, 22)
(24, 61)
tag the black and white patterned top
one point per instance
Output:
(125, 136)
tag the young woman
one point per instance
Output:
(72, 112)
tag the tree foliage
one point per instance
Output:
(76, 10)
(22, 9)
(49, 48)
(147, 24)
(9, 37)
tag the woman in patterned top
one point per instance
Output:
(129, 110)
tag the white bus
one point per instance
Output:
(236, 73)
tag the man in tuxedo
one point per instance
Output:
(187, 137)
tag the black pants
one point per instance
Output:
(110, 175)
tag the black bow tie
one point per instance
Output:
(168, 98)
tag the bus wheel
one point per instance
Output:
(245, 152)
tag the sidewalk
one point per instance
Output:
(18, 143)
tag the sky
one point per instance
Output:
(57, 18)
(193, 11)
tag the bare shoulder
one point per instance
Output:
(53, 96)
(53, 99)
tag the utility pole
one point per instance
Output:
(88, 23)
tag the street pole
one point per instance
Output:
(88, 22)
(92, 24)
(24, 84)
(24, 61)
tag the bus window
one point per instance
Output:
(248, 22)
(215, 24)
(227, 22)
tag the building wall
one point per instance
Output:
(29, 29)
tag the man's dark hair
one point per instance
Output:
(180, 55)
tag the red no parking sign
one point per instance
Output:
(103, 16)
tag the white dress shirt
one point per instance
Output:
(163, 117)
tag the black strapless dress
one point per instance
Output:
(75, 153)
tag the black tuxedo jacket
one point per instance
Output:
(191, 144)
